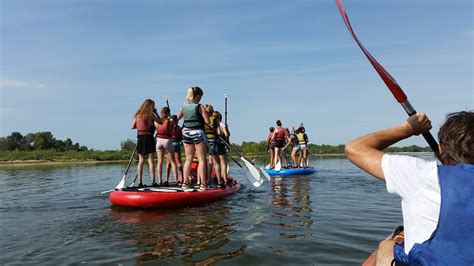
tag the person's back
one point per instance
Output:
(437, 201)
(453, 241)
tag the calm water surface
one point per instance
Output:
(55, 215)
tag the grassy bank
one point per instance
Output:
(52, 155)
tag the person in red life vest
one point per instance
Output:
(284, 161)
(176, 138)
(144, 123)
(437, 200)
(164, 134)
(195, 141)
(279, 139)
(271, 147)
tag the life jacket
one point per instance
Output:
(191, 116)
(143, 128)
(294, 139)
(164, 131)
(301, 138)
(210, 129)
(176, 133)
(452, 243)
(280, 135)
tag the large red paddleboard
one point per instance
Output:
(168, 197)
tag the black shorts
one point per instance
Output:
(215, 147)
(145, 144)
(277, 144)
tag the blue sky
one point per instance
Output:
(80, 69)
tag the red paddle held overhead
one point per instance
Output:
(391, 83)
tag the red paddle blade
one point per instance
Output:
(386, 77)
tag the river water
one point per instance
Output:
(55, 215)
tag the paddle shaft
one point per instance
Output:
(225, 111)
(427, 135)
(226, 143)
(389, 81)
(131, 159)
(235, 161)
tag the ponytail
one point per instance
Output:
(192, 93)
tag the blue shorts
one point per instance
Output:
(176, 146)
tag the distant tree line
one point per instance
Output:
(44, 146)
(38, 141)
(261, 148)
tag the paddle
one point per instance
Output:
(265, 174)
(121, 184)
(278, 166)
(254, 171)
(391, 83)
(235, 161)
(226, 126)
(225, 113)
(256, 179)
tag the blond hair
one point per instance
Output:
(192, 93)
(209, 108)
(146, 109)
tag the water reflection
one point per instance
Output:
(291, 207)
(196, 236)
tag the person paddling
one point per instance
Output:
(279, 138)
(222, 151)
(303, 144)
(284, 161)
(195, 142)
(295, 151)
(437, 200)
(213, 131)
(164, 134)
(271, 147)
(176, 138)
(144, 123)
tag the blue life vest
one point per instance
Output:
(452, 243)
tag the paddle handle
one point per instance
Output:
(225, 112)
(167, 103)
(427, 135)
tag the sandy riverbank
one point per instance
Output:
(19, 163)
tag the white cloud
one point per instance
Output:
(20, 84)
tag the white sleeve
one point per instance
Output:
(406, 175)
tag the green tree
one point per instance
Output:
(128, 145)
(3, 144)
(16, 141)
(59, 145)
(44, 141)
(68, 145)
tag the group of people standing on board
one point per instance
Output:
(280, 138)
(202, 133)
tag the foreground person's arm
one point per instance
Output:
(366, 152)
